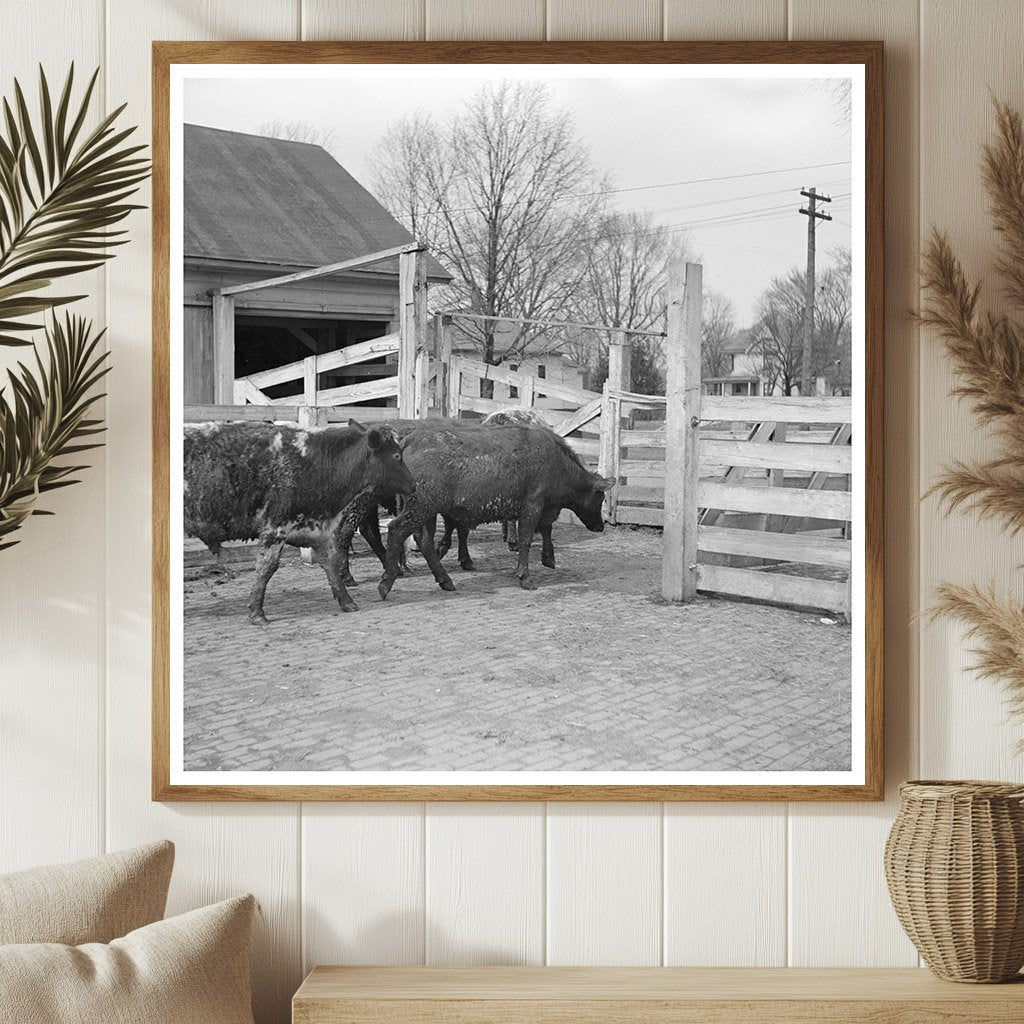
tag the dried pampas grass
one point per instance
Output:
(996, 630)
(987, 354)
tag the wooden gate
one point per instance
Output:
(756, 492)
(576, 417)
(249, 390)
(574, 413)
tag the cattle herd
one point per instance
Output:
(280, 485)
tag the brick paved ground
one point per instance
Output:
(590, 671)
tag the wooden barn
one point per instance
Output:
(258, 208)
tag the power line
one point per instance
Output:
(779, 212)
(667, 184)
(736, 199)
(718, 177)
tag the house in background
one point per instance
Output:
(545, 359)
(255, 208)
(742, 374)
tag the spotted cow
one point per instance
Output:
(283, 485)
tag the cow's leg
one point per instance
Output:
(445, 544)
(464, 560)
(351, 519)
(426, 539)
(331, 558)
(528, 518)
(547, 550)
(509, 533)
(369, 529)
(403, 526)
(429, 526)
(346, 571)
(268, 558)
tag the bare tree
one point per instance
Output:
(833, 336)
(718, 325)
(626, 261)
(839, 93)
(779, 341)
(502, 192)
(300, 131)
(626, 264)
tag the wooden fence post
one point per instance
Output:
(527, 393)
(608, 455)
(309, 380)
(421, 393)
(312, 417)
(412, 299)
(442, 363)
(223, 349)
(454, 408)
(620, 360)
(682, 421)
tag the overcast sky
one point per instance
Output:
(762, 139)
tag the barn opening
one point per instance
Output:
(264, 342)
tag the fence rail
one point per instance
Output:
(302, 414)
(249, 389)
(532, 385)
(581, 427)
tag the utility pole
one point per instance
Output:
(813, 215)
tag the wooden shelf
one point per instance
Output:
(631, 995)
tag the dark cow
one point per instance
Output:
(284, 485)
(503, 418)
(475, 474)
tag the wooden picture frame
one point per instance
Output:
(866, 55)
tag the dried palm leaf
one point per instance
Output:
(45, 419)
(62, 190)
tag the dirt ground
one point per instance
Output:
(589, 671)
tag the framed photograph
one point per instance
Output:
(517, 421)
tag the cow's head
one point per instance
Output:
(385, 469)
(588, 501)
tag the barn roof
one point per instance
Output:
(269, 201)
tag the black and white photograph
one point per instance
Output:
(518, 425)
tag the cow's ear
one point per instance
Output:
(375, 440)
(356, 425)
(603, 483)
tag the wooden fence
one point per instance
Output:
(572, 412)
(756, 492)
(578, 419)
(753, 493)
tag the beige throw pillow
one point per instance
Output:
(92, 900)
(190, 969)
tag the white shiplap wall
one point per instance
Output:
(742, 884)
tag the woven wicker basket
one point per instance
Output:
(954, 861)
